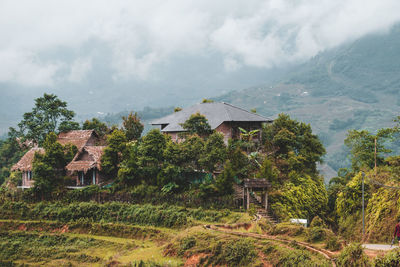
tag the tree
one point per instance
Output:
(48, 168)
(48, 114)
(151, 151)
(248, 137)
(113, 153)
(95, 124)
(128, 173)
(214, 152)
(225, 180)
(132, 126)
(362, 147)
(197, 124)
(10, 152)
(205, 100)
(293, 142)
(67, 126)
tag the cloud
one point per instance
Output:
(40, 38)
(79, 68)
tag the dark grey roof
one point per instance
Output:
(216, 113)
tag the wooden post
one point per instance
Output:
(266, 201)
(244, 198)
(248, 198)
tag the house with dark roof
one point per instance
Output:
(222, 117)
(86, 160)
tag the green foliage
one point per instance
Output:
(352, 256)
(348, 201)
(205, 100)
(315, 234)
(128, 172)
(48, 114)
(333, 244)
(294, 141)
(95, 124)
(113, 153)
(269, 172)
(150, 155)
(214, 153)
(362, 147)
(163, 216)
(301, 197)
(197, 124)
(48, 168)
(44, 247)
(391, 258)
(317, 222)
(234, 253)
(297, 258)
(10, 153)
(132, 126)
(225, 180)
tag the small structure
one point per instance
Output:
(255, 185)
(78, 138)
(222, 117)
(25, 165)
(86, 166)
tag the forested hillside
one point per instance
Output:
(355, 86)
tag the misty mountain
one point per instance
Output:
(354, 86)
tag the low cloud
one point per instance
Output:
(40, 38)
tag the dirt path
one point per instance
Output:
(325, 253)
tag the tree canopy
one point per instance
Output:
(50, 114)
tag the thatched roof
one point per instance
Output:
(25, 163)
(87, 158)
(216, 113)
(79, 138)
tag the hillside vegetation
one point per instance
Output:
(355, 86)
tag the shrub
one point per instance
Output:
(315, 234)
(333, 243)
(353, 256)
(239, 252)
(389, 259)
(296, 258)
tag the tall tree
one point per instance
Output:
(294, 143)
(113, 153)
(132, 126)
(197, 124)
(48, 114)
(362, 147)
(214, 153)
(151, 155)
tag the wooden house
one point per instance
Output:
(86, 166)
(84, 140)
(222, 117)
(24, 165)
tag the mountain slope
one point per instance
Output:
(355, 86)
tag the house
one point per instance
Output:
(222, 117)
(85, 140)
(86, 165)
(25, 166)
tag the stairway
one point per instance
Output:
(256, 201)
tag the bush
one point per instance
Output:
(333, 244)
(239, 252)
(297, 258)
(391, 258)
(353, 256)
(315, 234)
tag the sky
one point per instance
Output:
(120, 54)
